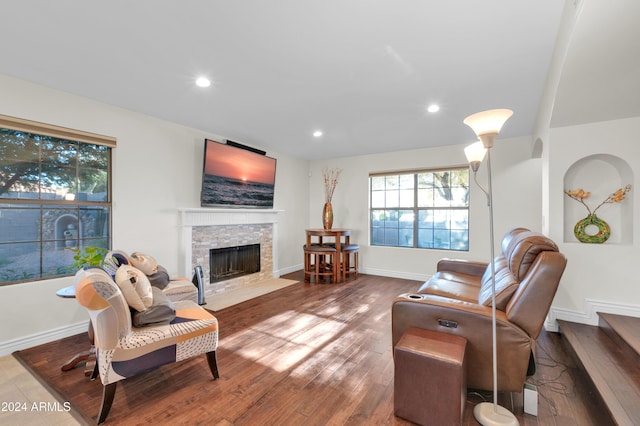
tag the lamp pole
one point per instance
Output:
(487, 125)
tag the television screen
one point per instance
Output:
(236, 177)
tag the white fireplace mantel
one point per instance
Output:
(208, 217)
(194, 217)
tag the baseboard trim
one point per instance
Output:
(590, 314)
(10, 346)
(395, 274)
(369, 271)
(288, 270)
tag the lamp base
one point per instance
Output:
(486, 415)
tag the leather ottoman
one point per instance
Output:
(430, 380)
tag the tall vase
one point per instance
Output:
(327, 216)
(600, 237)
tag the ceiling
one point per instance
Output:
(361, 71)
(601, 73)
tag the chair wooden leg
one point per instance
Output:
(307, 266)
(335, 268)
(212, 359)
(321, 264)
(95, 371)
(345, 265)
(108, 392)
(355, 263)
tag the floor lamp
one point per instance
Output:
(487, 125)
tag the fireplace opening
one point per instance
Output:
(232, 262)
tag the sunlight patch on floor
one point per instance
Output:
(229, 298)
(288, 339)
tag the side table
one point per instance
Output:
(88, 356)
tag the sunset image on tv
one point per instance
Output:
(237, 177)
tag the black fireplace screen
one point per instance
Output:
(232, 262)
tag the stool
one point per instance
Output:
(430, 381)
(320, 261)
(346, 265)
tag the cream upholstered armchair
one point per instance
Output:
(457, 300)
(182, 330)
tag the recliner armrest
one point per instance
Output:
(462, 266)
(424, 311)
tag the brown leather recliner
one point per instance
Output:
(457, 300)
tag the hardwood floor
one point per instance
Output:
(312, 354)
(322, 353)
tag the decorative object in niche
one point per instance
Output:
(330, 182)
(603, 234)
(581, 228)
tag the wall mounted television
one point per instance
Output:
(236, 176)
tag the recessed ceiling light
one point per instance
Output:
(433, 108)
(317, 134)
(203, 82)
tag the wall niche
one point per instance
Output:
(602, 175)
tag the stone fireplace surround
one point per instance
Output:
(206, 228)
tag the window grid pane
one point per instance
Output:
(421, 210)
(54, 196)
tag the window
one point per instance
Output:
(55, 195)
(424, 209)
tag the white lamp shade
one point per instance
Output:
(475, 152)
(488, 122)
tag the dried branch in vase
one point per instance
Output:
(330, 182)
(580, 195)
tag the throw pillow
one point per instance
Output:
(144, 262)
(113, 260)
(160, 278)
(161, 311)
(135, 287)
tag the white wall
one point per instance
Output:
(157, 169)
(598, 276)
(517, 199)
